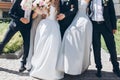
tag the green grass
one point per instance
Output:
(117, 39)
(15, 43)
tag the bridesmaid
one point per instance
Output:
(28, 5)
(37, 18)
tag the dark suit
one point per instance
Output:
(65, 8)
(105, 29)
(16, 25)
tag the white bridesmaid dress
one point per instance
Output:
(76, 46)
(35, 23)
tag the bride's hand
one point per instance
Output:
(61, 16)
(44, 16)
(24, 20)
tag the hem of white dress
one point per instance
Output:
(73, 73)
(44, 78)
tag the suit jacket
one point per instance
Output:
(16, 13)
(66, 8)
(108, 14)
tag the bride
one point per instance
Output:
(76, 43)
(46, 45)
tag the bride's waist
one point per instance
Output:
(82, 12)
(51, 18)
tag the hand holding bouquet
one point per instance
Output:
(39, 7)
(27, 7)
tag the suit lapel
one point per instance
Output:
(103, 7)
(102, 4)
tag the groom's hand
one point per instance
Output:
(61, 16)
(114, 31)
(24, 20)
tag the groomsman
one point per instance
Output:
(102, 14)
(68, 10)
(18, 23)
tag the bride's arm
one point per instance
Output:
(34, 15)
(87, 9)
(87, 1)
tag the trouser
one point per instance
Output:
(98, 30)
(25, 32)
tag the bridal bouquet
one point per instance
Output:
(38, 3)
(41, 7)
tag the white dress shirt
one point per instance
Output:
(97, 10)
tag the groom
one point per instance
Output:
(103, 17)
(18, 23)
(68, 10)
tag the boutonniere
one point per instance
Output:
(105, 2)
(72, 8)
(66, 1)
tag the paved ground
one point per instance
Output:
(9, 71)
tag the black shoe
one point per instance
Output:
(117, 72)
(0, 52)
(98, 74)
(22, 69)
(29, 70)
(1, 48)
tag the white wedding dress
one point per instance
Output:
(46, 49)
(76, 45)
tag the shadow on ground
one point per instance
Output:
(87, 75)
(90, 75)
(13, 72)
